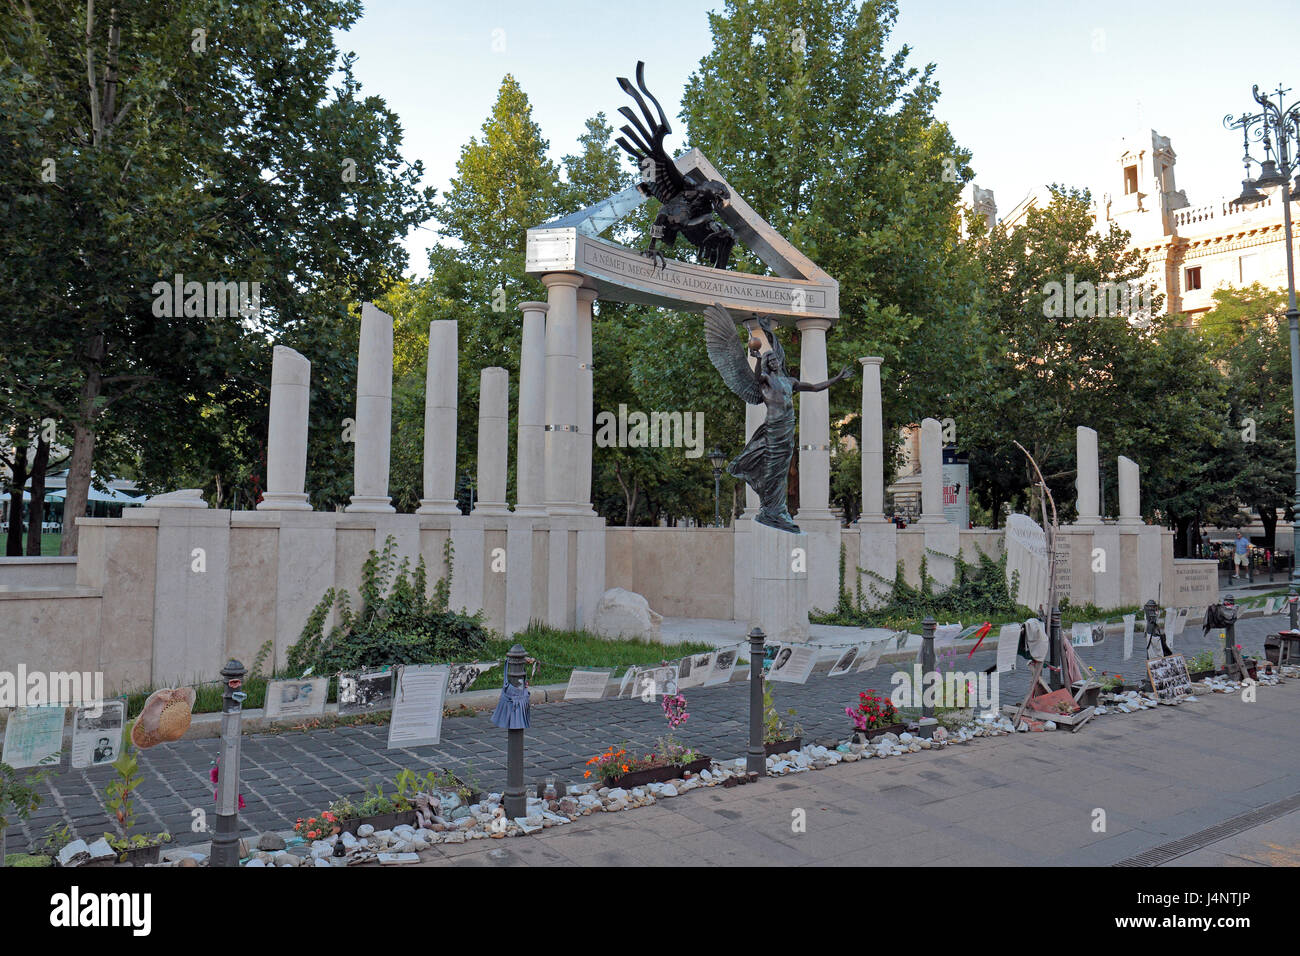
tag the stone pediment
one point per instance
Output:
(572, 243)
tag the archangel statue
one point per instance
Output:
(764, 464)
(689, 203)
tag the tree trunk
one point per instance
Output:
(1268, 515)
(83, 448)
(36, 521)
(18, 478)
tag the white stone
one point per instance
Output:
(365, 830)
(530, 467)
(623, 613)
(873, 450)
(374, 417)
(1088, 480)
(440, 413)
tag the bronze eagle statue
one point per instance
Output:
(689, 204)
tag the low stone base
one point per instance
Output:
(779, 600)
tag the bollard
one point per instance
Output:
(756, 758)
(927, 668)
(515, 799)
(1054, 641)
(225, 839)
(1293, 605)
(1229, 628)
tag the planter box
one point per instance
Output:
(783, 746)
(1201, 675)
(381, 821)
(142, 855)
(1091, 693)
(875, 732)
(639, 778)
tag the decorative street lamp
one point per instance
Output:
(717, 459)
(1278, 130)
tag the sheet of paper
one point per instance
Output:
(946, 634)
(364, 692)
(1081, 635)
(417, 705)
(870, 657)
(724, 663)
(586, 685)
(296, 698)
(1008, 642)
(793, 663)
(848, 657)
(32, 736)
(463, 676)
(97, 734)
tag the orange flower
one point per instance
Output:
(312, 834)
(586, 773)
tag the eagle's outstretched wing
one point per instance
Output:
(663, 181)
(727, 353)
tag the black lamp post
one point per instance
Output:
(717, 459)
(1278, 129)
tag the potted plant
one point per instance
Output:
(874, 716)
(140, 848)
(381, 811)
(1201, 666)
(1111, 683)
(618, 768)
(20, 794)
(777, 739)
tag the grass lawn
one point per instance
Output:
(558, 653)
(50, 544)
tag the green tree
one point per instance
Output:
(203, 139)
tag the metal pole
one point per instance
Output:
(927, 668)
(1054, 634)
(1293, 605)
(225, 839)
(1229, 629)
(717, 514)
(1293, 322)
(756, 758)
(515, 800)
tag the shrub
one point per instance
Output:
(398, 622)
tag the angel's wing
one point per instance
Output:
(727, 354)
(663, 181)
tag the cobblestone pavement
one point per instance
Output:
(291, 774)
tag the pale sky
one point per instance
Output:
(1039, 90)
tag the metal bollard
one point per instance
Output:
(1229, 632)
(927, 668)
(756, 758)
(515, 799)
(225, 839)
(1293, 605)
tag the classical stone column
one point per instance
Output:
(814, 422)
(374, 425)
(562, 393)
(931, 471)
(1130, 501)
(873, 443)
(440, 407)
(1088, 481)
(586, 400)
(530, 467)
(286, 437)
(493, 438)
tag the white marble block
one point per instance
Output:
(286, 437)
(374, 424)
(873, 443)
(440, 404)
(530, 467)
(931, 472)
(493, 436)
(877, 553)
(779, 600)
(1088, 481)
(1130, 500)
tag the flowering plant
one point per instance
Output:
(675, 710)
(317, 828)
(873, 711)
(610, 764)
